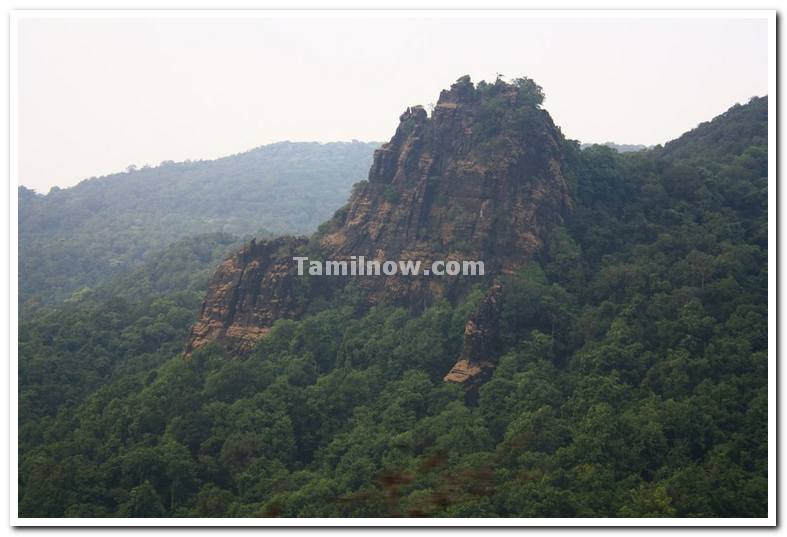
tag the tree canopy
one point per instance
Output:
(632, 380)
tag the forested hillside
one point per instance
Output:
(632, 379)
(133, 322)
(76, 237)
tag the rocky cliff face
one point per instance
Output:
(248, 292)
(480, 339)
(481, 179)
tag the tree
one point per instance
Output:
(142, 502)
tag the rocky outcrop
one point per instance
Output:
(248, 292)
(480, 343)
(481, 179)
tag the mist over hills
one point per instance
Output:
(620, 148)
(83, 235)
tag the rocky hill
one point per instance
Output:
(629, 343)
(480, 179)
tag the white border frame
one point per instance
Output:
(769, 15)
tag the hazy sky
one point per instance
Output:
(96, 95)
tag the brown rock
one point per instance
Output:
(439, 191)
(248, 292)
(481, 339)
(479, 180)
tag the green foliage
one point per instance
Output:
(738, 131)
(506, 111)
(390, 194)
(105, 226)
(632, 380)
(530, 93)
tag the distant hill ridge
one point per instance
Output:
(102, 226)
(620, 148)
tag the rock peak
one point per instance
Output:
(481, 179)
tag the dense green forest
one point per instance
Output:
(126, 324)
(77, 237)
(632, 380)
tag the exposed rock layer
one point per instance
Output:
(479, 346)
(481, 179)
(248, 292)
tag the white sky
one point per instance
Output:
(96, 95)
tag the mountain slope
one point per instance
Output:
(80, 236)
(130, 323)
(727, 135)
(630, 374)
